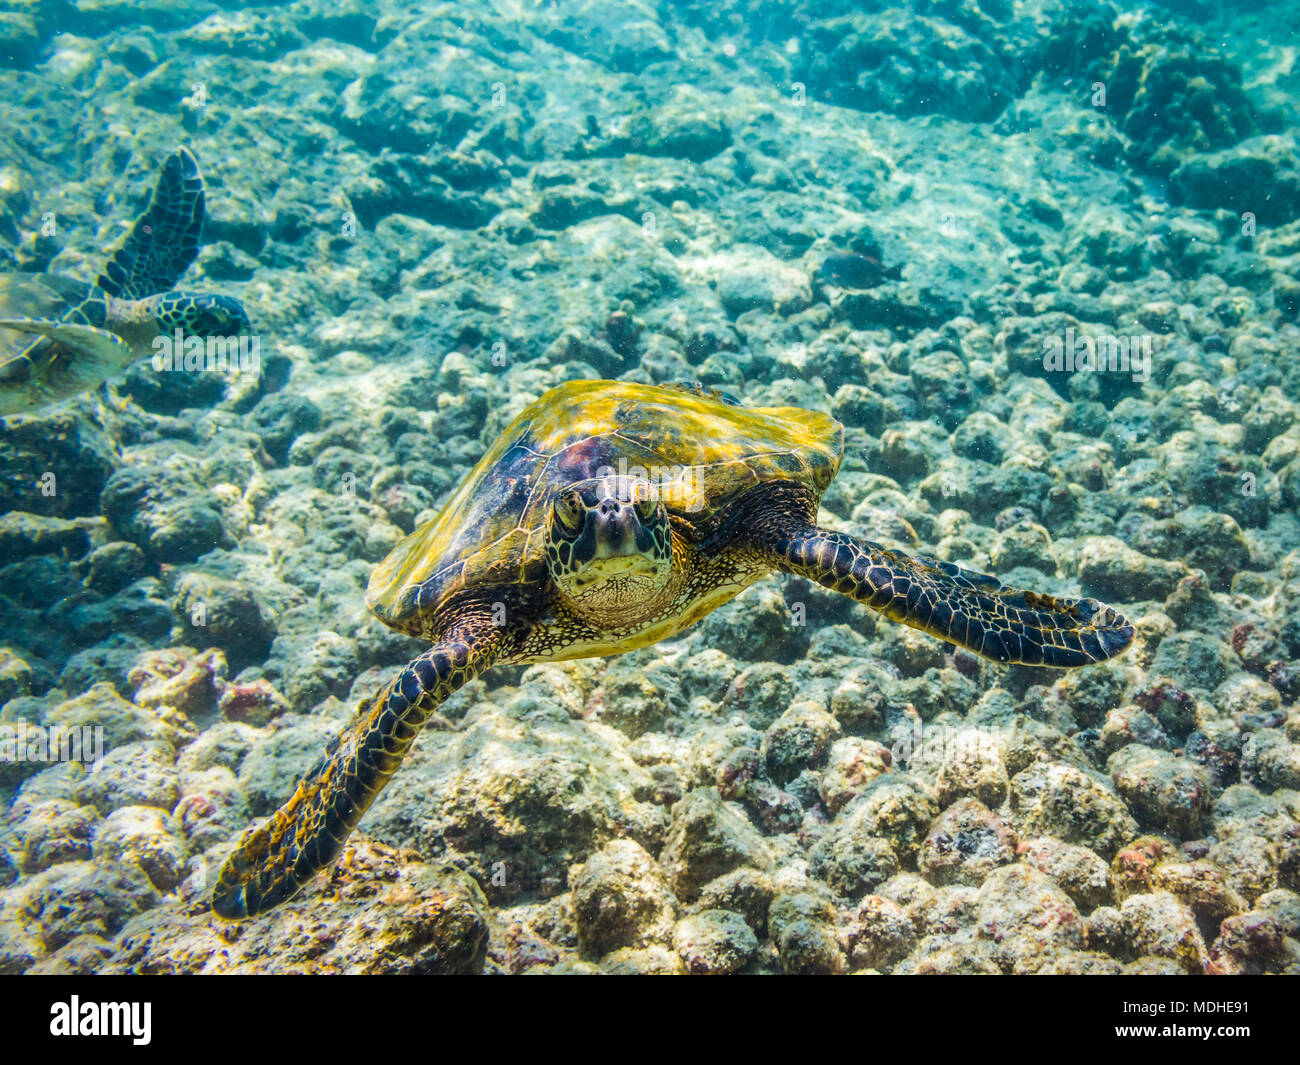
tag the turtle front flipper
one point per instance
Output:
(275, 859)
(163, 241)
(971, 609)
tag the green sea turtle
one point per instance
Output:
(80, 335)
(608, 516)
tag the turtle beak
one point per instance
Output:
(610, 549)
(615, 528)
(617, 544)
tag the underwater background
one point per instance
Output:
(921, 218)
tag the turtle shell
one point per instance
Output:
(697, 451)
(35, 372)
(35, 296)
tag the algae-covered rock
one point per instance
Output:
(164, 512)
(971, 767)
(621, 899)
(798, 740)
(748, 892)
(965, 844)
(114, 566)
(1159, 925)
(226, 614)
(23, 534)
(1111, 570)
(803, 929)
(1060, 800)
(84, 955)
(122, 722)
(707, 838)
(1261, 175)
(139, 774)
(74, 898)
(1026, 919)
(880, 934)
(519, 800)
(54, 831)
(1270, 761)
(714, 942)
(1166, 792)
(852, 864)
(1077, 870)
(760, 694)
(634, 705)
(851, 765)
(646, 961)
(389, 913)
(1202, 887)
(147, 837)
(55, 465)
(1194, 661)
(1255, 943)
(212, 807)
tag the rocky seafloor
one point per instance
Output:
(435, 212)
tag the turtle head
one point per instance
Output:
(204, 316)
(609, 546)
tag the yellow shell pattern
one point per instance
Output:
(698, 453)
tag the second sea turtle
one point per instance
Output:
(75, 336)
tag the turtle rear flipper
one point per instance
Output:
(70, 358)
(273, 861)
(970, 609)
(164, 241)
(39, 295)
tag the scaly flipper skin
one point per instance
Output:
(71, 357)
(970, 609)
(164, 241)
(272, 862)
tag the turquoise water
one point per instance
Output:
(1039, 262)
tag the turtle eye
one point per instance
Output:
(646, 505)
(569, 512)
